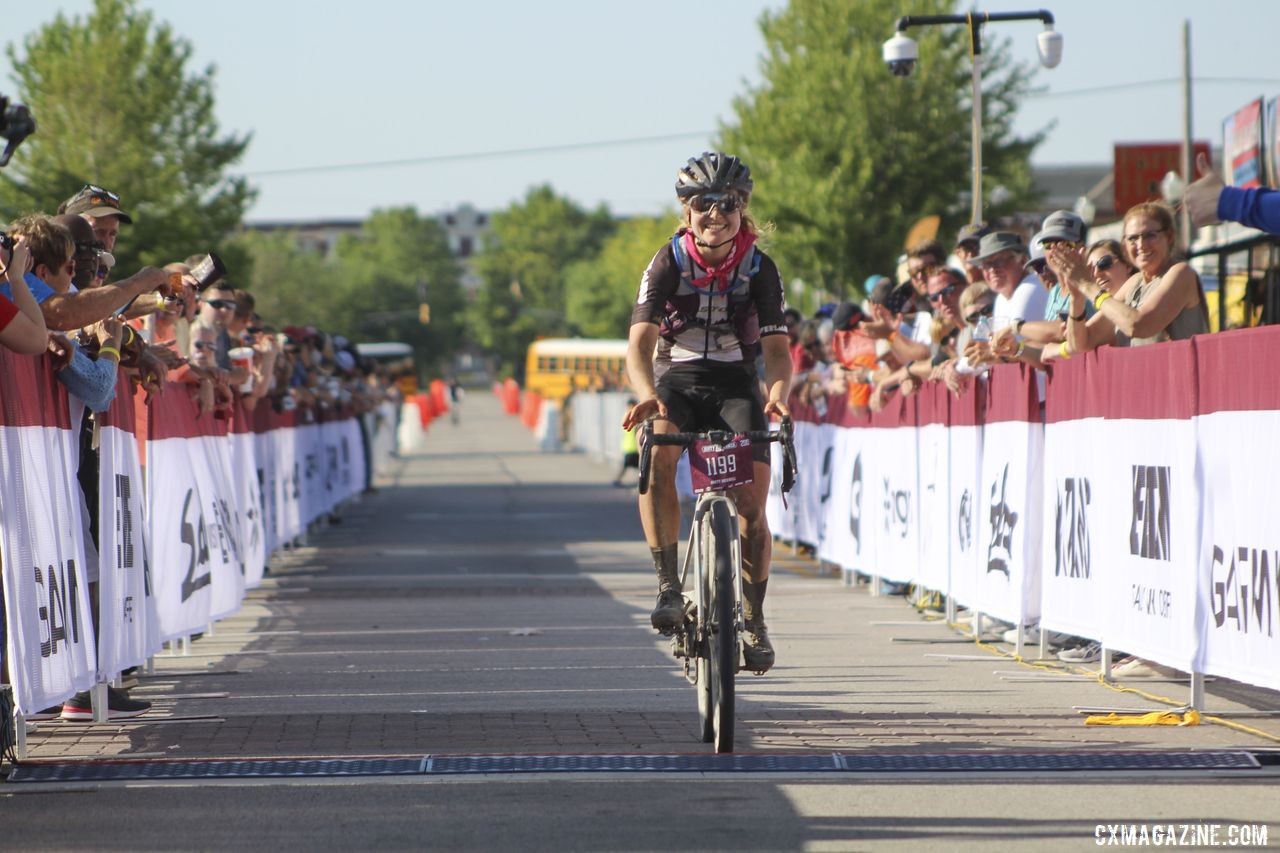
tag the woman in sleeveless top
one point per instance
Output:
(1162, 301)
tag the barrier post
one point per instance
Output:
(19, 734)
(98, 701)
(1197, 691)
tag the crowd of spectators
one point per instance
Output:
(183, 330)
(995, 297)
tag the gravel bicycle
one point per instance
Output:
(710, 640)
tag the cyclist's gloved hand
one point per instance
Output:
(643, 411)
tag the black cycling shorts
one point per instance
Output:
(702, 398)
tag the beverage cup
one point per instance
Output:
(208, 272)
(243, 357)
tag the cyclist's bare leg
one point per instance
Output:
(660, 517)
(757, 549)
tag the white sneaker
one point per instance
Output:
(1090, 652)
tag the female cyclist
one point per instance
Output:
(710, 303)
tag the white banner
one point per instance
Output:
(181, 495)
(1009, 514)
(1074, 573)
(1240, 578)
(128, 629)
(967, 552)
(248, 506)
(839, 541)
(934, 502)
(807, 495)
(1148, 538)
(891, 491)
(50, 644)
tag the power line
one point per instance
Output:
(479, 155)
(1147, 84)
(668, 137)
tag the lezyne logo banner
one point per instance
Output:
(1240, 556)
(812, 444)
(1073, 570)
(248, 506)
(129, 634)
(183, 518)
(891, 492)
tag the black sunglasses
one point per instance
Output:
(201, 345)
(703, 203)
(1104, 263)
(985, 311)
(222, 304)
(946, 291)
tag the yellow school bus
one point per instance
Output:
(555, 366)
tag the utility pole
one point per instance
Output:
(1188, 148)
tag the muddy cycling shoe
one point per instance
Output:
(668, 615)
(757, 651)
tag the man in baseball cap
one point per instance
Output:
(101, 208)
(967, 246)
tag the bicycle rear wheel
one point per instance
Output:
(724, 634)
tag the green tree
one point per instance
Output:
(398, 261)
(372, 287)
(115, 106)
(601, 291)
(846, 157)
(523, 269)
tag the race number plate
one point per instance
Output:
(715, 467)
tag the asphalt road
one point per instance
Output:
(491, 599)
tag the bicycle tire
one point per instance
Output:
(702, 575)
(724, 634)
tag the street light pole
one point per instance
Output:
(900, 53)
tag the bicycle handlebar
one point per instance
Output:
(784, 435)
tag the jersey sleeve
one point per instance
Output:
(771, 303)
(656, 285)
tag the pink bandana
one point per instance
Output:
(742, 244)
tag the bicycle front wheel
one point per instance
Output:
(724, 630)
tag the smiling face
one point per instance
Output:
(1109, 271)
(1004, 271)
(1149, 241)
(710, 224)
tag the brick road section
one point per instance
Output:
(494, 599)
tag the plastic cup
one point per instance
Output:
(243, 357)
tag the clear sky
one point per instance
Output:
(320, 83)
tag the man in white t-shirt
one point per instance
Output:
(1019, 294)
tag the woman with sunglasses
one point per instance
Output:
(1109, 265)
(1162, 301)
(710, 302)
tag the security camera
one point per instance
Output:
(900, 54)
(1050, 45)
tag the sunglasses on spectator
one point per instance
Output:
(202, 345)
(703, 203)
(1104, 263)
(946, 291)
(220, 304)
(984, 311)
(1143, 237)
(87, 249)
(97, 190)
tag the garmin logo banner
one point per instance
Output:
(1149, 534)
